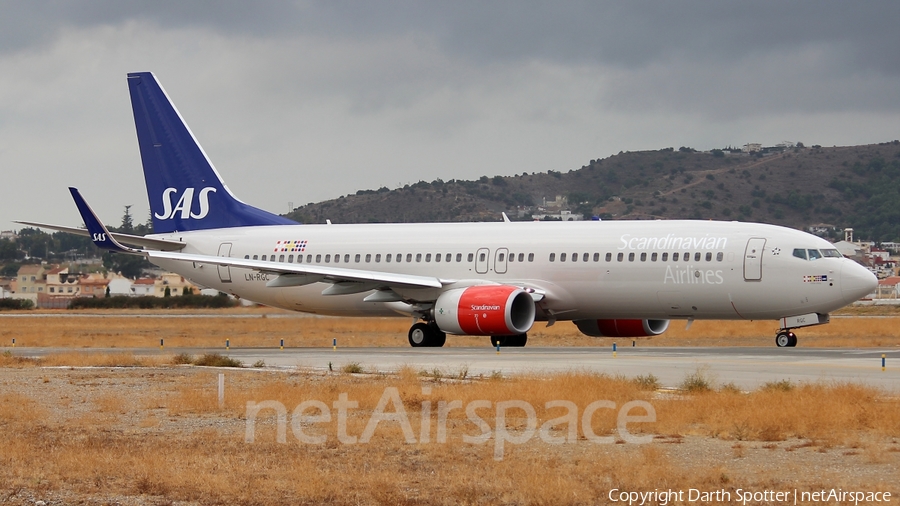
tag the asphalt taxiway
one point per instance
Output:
(745, 367)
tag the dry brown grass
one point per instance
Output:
(828, 413)
(823, 413)
(85, 359)
(266, 328)
(164, 435)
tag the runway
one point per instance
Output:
(745, 367)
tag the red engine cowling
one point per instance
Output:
(622, 328)
(485, 310)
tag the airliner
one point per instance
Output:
(609, 278)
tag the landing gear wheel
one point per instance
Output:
(517, 340)
(418, 335)
(785, 339)
(426, 334)
(439, 337)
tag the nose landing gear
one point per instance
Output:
(785, 339)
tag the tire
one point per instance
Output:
(517, 340)
(783, 339)
(436, 336)
(426, 335)
(792, 339)
(419, 335)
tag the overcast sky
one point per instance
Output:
(307, 101)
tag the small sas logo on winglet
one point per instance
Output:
(815, 279)
(290, 246)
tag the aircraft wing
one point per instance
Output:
(127, 239)
(301, 274)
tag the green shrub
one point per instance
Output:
(150, 302)
(696, 382)
(15, 304)
(352, 368)
(784, 385)
(648, 382)
(182, 359)
(217, 360)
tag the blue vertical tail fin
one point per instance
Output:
(185, 190)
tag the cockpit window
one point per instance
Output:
(831, 253)
(800, 253)
(814, 254)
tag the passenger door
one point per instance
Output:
(753, 259)
(225, 270)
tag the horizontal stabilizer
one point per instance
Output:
(126, 239)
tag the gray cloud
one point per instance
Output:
(309, 100)
(626, 34)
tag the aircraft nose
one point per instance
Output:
(856, 281)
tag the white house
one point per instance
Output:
(119, 286)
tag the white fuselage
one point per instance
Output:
(608, 269)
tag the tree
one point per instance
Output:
(8, 250)
(128, 265)
(127, 222)
(34, 242)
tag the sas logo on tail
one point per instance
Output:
(185, 203)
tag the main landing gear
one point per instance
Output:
(426, 335)
(785, 339)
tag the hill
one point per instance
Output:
(795, 186)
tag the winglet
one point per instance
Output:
(98, 231)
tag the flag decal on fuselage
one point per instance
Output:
(290, 246)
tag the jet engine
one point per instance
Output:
(622, 328)
(485, 310)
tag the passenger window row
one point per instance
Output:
(388, 258)
(512, 257)
(654, 256)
